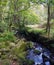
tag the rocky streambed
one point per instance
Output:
(40, 55)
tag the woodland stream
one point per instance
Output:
(39, 54)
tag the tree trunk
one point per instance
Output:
(48, 22)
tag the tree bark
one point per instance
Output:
(48, 22)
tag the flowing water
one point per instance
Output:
(39, 55)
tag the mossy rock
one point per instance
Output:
(30, 62)
(37, 52)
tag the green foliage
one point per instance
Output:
(43, 1)
(30, 17)
(6, 62)
(3, 56)
(7, 36)
(35, 31)
(3, 26)
(20, 50)
(29, 44)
